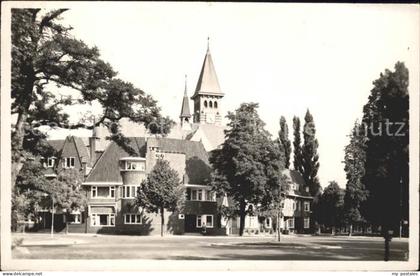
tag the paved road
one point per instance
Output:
(84, 246)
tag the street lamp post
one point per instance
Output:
(52, 216)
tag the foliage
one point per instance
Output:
(67, 191)
(162, 190)
(386, 119)
(247, 167)
(310, 156)
(330, 205)
(46, 56)
(297, 146)
(284, 142)
(354, 160)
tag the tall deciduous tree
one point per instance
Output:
(67, 192)
(297, 146)
(386, 118)
(310, 156)
(162, 190)
(248, 164)
(330, 206)
(284, 142)
(354, 160)
(46, 56)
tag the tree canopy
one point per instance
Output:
(284, 142)
(247, 166)
(162, 190)
(386, 120)
(46, 57)
(354, 160)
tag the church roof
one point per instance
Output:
(185, 109)
(207, 82)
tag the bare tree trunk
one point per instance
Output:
(162, 224)
(351, 229)
(242, 206)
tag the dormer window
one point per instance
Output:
(50, 162)
(68, 162)
(133, 164)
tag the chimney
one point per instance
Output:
(92, 145)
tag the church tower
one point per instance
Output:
(185, 109)
(207, 96)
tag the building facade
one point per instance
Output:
(112, 175)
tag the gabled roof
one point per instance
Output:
(107, 168)
(295, 177)
(212, 136)
(197, 167)
(56, 144)
(208, 83)
(81, 149)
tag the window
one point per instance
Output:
(94, 191)
(201, 195)
(210, 104)
(291, 222)
(50, 162)
(306, 206)
(102, 192)
(282, 205)
(306, 223)
(298, 205)
(205, 220)
(215, 104)
(132, 219)
(209, 220)
(210, 196)
(205, 103)
(130, 191)
(132, 165)
(68, 162)
(76, 218)
(102, 220)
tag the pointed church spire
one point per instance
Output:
(185, 109)
(208, 83)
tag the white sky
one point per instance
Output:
(286, 57)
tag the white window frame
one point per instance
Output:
(77, 218)
(111, 189)
(94, 189)
(291, 223)
(95, 218)
(203, 218)
(306, 206)
(133, 165)
(306, 223)
(67, 160)
(112, 192)
(128, 191)
(128, 218)
(201, 195)
(52, 159)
